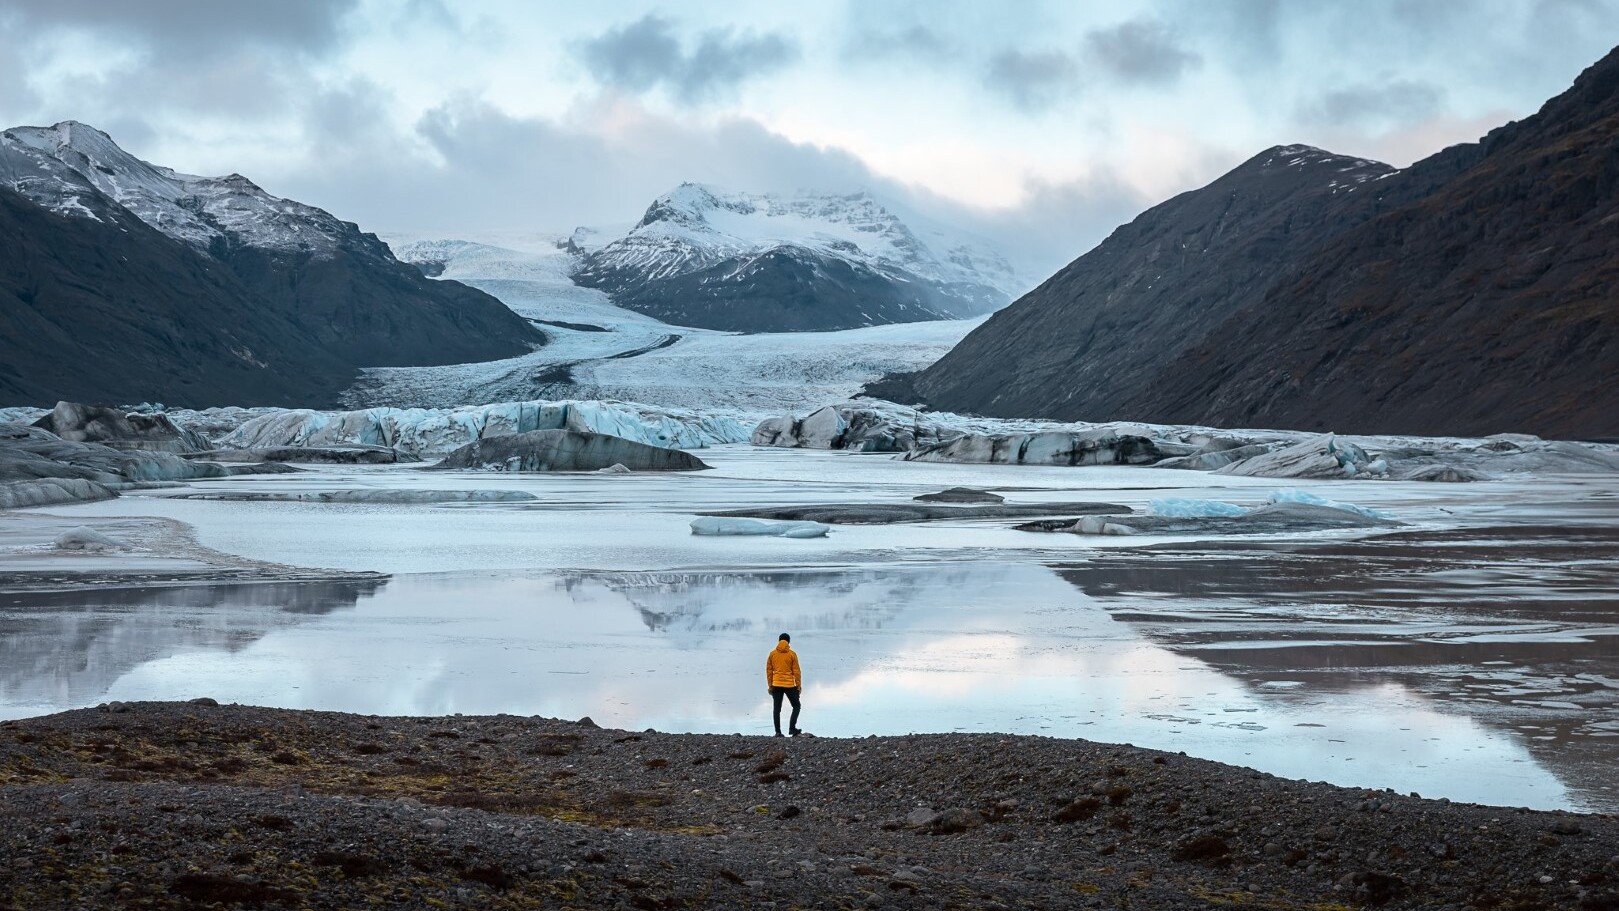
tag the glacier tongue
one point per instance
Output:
(435, 431)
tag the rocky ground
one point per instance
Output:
(174, 805)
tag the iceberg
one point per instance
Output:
(51, 491)
(1293, 495)
(566, 450)
(1321, 457)
(716, 525)
(1195, 509)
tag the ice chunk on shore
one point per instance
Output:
(86, 539)
(717, 525)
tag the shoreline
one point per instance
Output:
(175, 804)
(153, 552)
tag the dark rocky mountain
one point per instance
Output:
(762, 263)
(127, 282)
(1468, 294)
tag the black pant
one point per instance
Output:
(791, 692)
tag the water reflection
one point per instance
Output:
(977, 646)
(1513, 628)
(66, 649)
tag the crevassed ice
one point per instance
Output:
(431, 431)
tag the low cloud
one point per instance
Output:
(1034, 81)
(647, 54)
(1140, 52)
(1397, 103)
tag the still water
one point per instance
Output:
(1474, 664)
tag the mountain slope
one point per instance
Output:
(1486, 305)
(1086, 339)
(310, 289)
(761, 263)
(1467, 294)
(109, 309)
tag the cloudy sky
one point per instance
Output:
(1041, 125)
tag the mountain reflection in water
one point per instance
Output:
(64, 649)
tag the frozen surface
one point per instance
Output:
(1469, 653)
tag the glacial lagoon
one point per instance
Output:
(1472, 654)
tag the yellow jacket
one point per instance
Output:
(781, 668)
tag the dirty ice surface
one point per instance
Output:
(1469, 654)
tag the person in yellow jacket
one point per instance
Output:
(783, 678)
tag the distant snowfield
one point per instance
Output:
(596, 350)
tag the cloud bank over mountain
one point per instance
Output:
(1044, 124)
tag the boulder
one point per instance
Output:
(566, 450)
(112, 427)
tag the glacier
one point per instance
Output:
(597, 350)
(872, 425)
(427, 431)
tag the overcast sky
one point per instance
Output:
(1042, 125)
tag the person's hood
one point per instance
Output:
(782, 646)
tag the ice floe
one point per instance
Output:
(716, 525)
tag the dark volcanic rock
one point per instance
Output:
(1467, 294)
(567, 450)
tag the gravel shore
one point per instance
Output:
(189, 805)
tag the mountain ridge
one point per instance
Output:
(1462, 295)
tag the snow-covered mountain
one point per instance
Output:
(760, 263)
(59, 167)
(202, 290)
